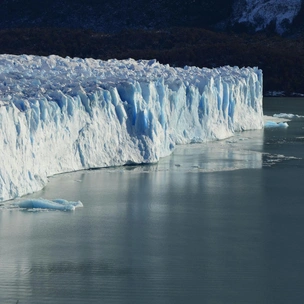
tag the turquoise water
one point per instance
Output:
(213, 223)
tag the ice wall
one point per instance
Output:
(62, 114)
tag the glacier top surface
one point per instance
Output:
(27, 76)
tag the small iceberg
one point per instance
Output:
(273, 124)
(56, 204)
(275, 121)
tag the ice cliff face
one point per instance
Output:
(260, 13)
(59, 115)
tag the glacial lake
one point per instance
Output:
(219, 222)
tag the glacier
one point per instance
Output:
(66, 114)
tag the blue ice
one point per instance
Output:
(273, 124)
(56, 204)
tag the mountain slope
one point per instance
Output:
(109, 16)
(262, 14)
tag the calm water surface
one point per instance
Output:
(214, 223)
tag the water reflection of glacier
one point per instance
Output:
(243, 151)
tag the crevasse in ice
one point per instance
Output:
(63, 114)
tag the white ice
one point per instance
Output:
(261, 13)
(276, 121)
(279, 120)
(288, 116)
(63, 114)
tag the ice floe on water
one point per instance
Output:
(273, 124)
(40, 204)
(288, 116)
(280, 120)
(271, 159)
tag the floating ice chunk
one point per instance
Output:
(57, 204)
(273, 124)
(276, 121)
(272, 159)
(288, 116)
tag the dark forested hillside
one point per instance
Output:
(108, 15)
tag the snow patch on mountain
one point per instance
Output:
(261, 13)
